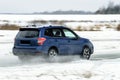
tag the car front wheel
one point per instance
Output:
(86, 53)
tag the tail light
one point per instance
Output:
(41, 41)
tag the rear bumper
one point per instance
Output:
(28, 51)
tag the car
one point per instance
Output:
(50, 41)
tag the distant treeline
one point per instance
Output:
(65, 12)
(110, 9)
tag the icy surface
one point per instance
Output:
(103, 65)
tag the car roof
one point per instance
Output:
(39, 27)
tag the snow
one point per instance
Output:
(103, 65)
(59, 17)
(78, 20)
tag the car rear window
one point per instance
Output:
(28, 33)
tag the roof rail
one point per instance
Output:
(38, 26)
(31, 26)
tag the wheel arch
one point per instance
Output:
(53, 47)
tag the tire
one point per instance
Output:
(86, 53)
(52, 54)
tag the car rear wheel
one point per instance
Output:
(86, 53)
(52, 53)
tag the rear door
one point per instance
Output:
(27, 38)
(60, 40)
(56, 38)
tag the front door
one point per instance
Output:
(73, 41)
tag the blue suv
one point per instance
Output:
(50, 41)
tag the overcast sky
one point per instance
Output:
(30, 6)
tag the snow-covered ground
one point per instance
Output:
(59, 17)
(79, 20)
(103, 65)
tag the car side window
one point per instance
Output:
(57, 33)
(48, 32)
(53, 33)
(69, 33)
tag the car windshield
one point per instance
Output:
(28, 33)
